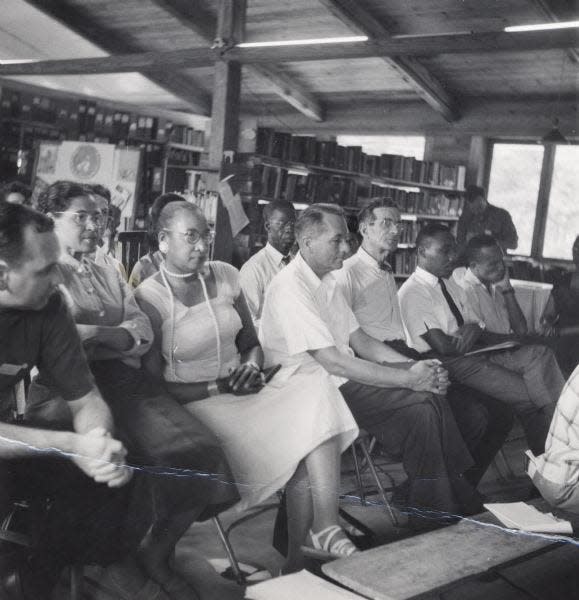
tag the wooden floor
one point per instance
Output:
(552, 576)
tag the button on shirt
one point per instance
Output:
(372, 294)
(303, 313)
(424, 307)
(489, 307)
(255, 276)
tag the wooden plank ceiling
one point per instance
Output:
(444, 82)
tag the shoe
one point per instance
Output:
(326, 546)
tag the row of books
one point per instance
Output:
(299, 186)
(404, 262)
(426, 202)
(88, 121)
(408, 232)
(310, 151)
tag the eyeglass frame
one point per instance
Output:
(208, 236)
(390, 223)
(81, 217)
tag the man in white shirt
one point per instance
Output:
(307, 321)
(367, 282)
(437, 316)
(488, 289)
(279, 219)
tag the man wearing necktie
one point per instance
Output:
(437, 316)
(255, 275)
(367, 282)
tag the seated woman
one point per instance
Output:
(149, 264)
(289, 432)
(158, 432)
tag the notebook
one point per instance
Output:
(518, 515)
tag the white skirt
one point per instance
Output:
(266, 435)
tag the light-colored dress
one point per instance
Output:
(264, 435)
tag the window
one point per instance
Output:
(514, 185)
(563, 213)
(405, 145)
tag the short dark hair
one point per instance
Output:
(476, 244)
(156, 208)
(15, 187)
(313, 217)
(281, 205)
(14, 218)
(367, 213)
(58, 196)
(171, 210)
(100, 190)
(430, 231)
(472, 192)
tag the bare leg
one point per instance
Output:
(299, 517)
(323, 468)
(158, 548)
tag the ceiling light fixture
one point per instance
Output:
(554, 136)
(543, 26)
(307, 42)
(18, 61)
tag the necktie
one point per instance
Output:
(451, 304)
(384, 266)
(286, 260)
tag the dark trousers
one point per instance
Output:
(484, 423)
(79, 521)
(419, 428)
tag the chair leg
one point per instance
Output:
(237, 572)
(379, 486)
(358, 475)
(76, 575)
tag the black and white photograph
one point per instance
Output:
(289, 299)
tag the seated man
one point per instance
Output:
(437, 316)
(488, 290)
(80, 470)
(278, 220)
(306, 321)
(367, 282)
(556, 472)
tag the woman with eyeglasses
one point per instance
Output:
(189, 475)
(289, 430)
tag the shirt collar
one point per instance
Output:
(367, 259)
(471, 278)
(426, 277)
(312, 281)
(275, 254)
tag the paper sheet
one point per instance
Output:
(237, 217)
(299, 586)
(518, 515)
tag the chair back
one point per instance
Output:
(133, 246)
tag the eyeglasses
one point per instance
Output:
(82, 217)
(388, 224)
(192, 236)
(283, 224)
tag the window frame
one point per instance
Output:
(543, 197)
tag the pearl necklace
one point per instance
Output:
(177, 275)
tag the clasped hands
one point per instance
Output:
(101, 457)
(247, 378)
(429, 376)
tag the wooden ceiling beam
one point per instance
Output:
(359, 20)
(78, 20)
(202, 23)
(461, 43)
(557, 11)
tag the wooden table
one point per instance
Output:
(435, 560)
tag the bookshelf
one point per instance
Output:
(304, 170)
(169, 149)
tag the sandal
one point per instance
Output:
(325, 545)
